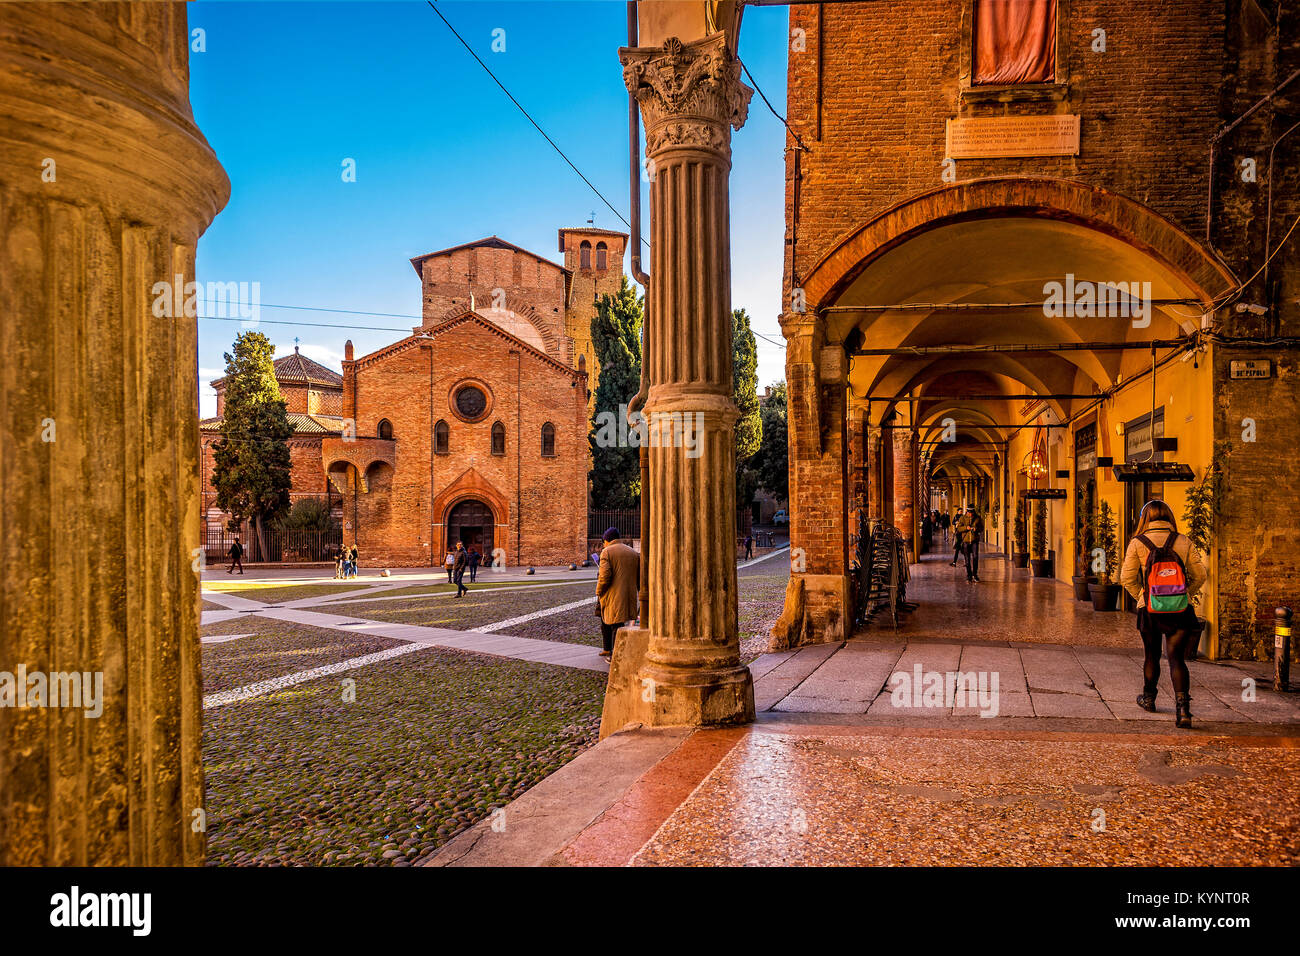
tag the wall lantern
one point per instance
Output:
(1036, 463)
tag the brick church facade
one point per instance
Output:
(474, 427)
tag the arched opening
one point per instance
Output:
(441, 438)
(498, 438)
(385, 429)
(584, 255)
(548, 440)
(979, 324)
(470, 521)
(602, 252)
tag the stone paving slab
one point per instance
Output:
(789, 674)
(1038, 680)
(1009, 705)
(548, 817)
(1055, 668)
(1003, 661)
(1070, 705)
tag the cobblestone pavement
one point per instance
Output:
(430, 743)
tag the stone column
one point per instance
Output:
(904, 478)
(875, 475)
(105, 186)
(690, 96)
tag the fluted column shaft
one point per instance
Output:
(105, 187)
(690, 96)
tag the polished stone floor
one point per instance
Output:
(1008, 604)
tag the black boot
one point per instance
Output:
(1147, 700)
(1182, 710)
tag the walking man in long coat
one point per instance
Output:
(616, 587)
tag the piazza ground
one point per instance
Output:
(318, 749)
(382, 721)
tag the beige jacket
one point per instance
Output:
(617, 583)
(1135, 562)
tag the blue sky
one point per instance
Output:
(285, 92)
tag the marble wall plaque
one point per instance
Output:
(992, 136)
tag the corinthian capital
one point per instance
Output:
(689, 93)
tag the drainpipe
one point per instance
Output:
(638, 400)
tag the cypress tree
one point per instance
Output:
(251, 458)
(744, 386)
(772, 463)
(616, 336)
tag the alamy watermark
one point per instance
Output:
(72, 689)
(1080, 298)
(220, 300)
(923, 688)
(658, 430)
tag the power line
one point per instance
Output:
(528, 117)
(759, 90)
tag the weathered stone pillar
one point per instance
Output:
(904, 489)
(690, 96)
(105, 185)
(875, 475)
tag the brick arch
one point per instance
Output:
(470, 485)
(1042, 197)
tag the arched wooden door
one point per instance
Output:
(471, 521)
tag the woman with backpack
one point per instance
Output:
(1163, 572)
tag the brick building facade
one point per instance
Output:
(919, 218)
(474, 427)
(313, 395)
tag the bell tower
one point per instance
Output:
(594, 258)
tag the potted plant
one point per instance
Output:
(1040, 562)
(1020, 554)
(1105, 594)
(1199, 514)
(1083, 548)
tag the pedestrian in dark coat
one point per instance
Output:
(459, 565)
(236, 552)
(474, 560)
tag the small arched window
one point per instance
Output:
(601, 255)
(584, 255)
(498, 438)
(441, 438)
(385, 428)
(548, 440)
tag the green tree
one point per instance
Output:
(744, 389)
(251, 458)
(306, 514)
(616, 336)
(772, 462)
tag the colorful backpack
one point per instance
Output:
(1166, 578)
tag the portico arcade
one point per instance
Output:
(928, 359)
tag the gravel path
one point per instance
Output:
(276, 593)
(432, 743)
(277, 648)
(475, 609)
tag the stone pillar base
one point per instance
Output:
(818, 610)
(653, 696)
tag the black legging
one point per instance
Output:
(1178, 644)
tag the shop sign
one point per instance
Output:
(1137, 438)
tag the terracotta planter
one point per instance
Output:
(1104, 596)
(1020, 559)
(1081, 582)
(1042, 567)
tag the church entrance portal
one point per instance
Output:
(471, 521)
